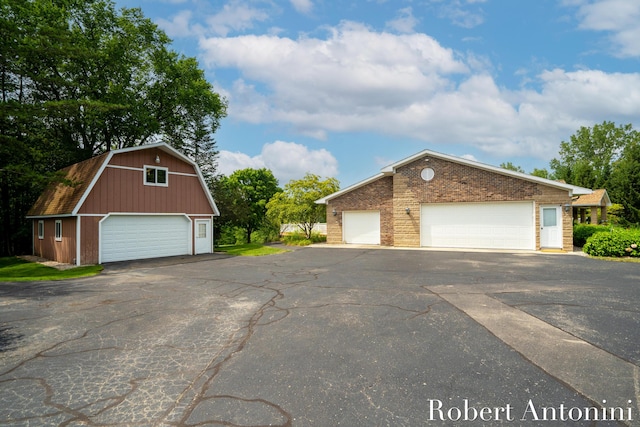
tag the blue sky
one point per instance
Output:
(342, 88)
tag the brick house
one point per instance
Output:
(437, 200)
(141, 202)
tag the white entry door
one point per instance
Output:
(203, 236)
(550, 227)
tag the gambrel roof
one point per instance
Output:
(64, 198)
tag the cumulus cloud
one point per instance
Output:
(409, 85)
(619, 18)
(287, 161)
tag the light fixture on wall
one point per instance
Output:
(567, 207)
(407, 210)
(157, 159)
(334, 212)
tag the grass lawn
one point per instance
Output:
(250, 249)
(14, 269)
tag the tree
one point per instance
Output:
(541, 173)
(510, 166)
(78, 78)
(624, 184)
(587, 159)
(243, 198)
(296, 204)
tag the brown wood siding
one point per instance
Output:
(49, 247)
(89, 229)
(137, 159)
(123, 190)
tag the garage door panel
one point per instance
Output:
(481, 225)
(126, 237)
(361, 227)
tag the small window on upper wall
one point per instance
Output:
(156, 176)
(58, 230)
(41, 229)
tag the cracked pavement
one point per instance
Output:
(321, 337)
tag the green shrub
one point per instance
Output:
(614, 243)
(265, 235)
(581, 232)
(296, 239)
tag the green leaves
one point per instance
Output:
(604, 156)
(77, 78)
(297, 203)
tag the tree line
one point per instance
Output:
(78, 78)
(605, 156)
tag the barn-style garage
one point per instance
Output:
(441, 201)
(141, 202)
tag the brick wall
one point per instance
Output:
(376, 196)
(452, 182)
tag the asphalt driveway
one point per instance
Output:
(326, 337)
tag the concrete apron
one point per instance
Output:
(614, 384)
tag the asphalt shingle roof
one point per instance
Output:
(61, 198)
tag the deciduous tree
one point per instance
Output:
(296, 204)
(77, 78)
(243, 198)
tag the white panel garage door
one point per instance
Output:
(361, 227)
(508, 225)
(125, 237)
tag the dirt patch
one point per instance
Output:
(47, 262)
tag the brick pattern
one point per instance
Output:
(376, 196)
(452, 182)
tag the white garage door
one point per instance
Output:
(125, 237)
(361, 227)
(508, 225)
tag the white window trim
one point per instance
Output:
(58, 236)
(40, 229)
(155, 184)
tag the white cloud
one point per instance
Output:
(178, 26)
(287, 161)
(405, 22)
(302, 6)
(617, 17)
(235, 16)
(410, 86)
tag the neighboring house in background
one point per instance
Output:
(142, 202)
(598, 199)
(437, 200)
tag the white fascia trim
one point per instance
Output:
(325, 199)
(572, 188)
(93, 183)
(78, 230)
(49, 216)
